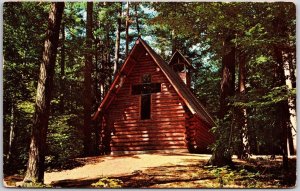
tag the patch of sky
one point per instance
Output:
(204, 59)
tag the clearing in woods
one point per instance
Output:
(182, 170)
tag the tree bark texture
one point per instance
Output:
(107, 53)
(228, 77)
(292, 133)
(137, 19)
(97, 73)
(221, 155)
(102, 79)
(11, 134)
(87, 90)
(117, 44)
(174, 41)
(282, 109)
(127, 30)
(242, 112)
(62, 70)
(35, 165)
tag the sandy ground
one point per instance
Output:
(106, 166)
(173, 170)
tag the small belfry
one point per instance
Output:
(149, 109)
(181, 66)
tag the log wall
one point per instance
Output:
(171, 127)
(198, 135)
(166, 128)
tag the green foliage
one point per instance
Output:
(197, 29)
(26, 106)
(24, 26)
(108, 183)
(64, 140)
(266, 98)
(34, 184)
(228, 177)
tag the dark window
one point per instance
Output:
(145, 106)
(145, 89)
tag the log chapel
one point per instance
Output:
(150, 107)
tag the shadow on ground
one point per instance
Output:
(268, 174)
(148, 178)
(191, 173)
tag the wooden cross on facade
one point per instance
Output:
(145, 90)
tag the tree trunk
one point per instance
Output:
(117, 45)
(62, 70)
(292, 67)
(174, 41)
(127, 30)
(242, 112)
(96, 98)
(107, 54)
(222, 155)
(87, 90)
(228, 77)
(102, 68)
(11, 134)
(97, 73)
(282, 109)
(35, 165)
(292, 136)
(137, 19)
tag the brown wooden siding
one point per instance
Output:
(166, 128)
(198, 134)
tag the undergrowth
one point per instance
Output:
(108, 183)
(227, 177)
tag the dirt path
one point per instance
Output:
(170, 171)
(112, 166)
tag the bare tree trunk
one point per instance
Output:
(96, 98)
(11, 134)
(35, 165)
(97, 73)
(87, 90)
(174, 41)
(117, 45)
(282, 109)
(292, 106)
(242, 112)
(137, 18)
(102, 68)
(127, 30)
(62, 70)
(107, 54)
(221, 156)
(228, 78)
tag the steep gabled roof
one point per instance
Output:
(178, 54)
(183, 91)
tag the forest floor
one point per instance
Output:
(170, 171)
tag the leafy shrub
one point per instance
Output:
(34, 185)
(64, 141)
(227, 177)
(108, 183)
